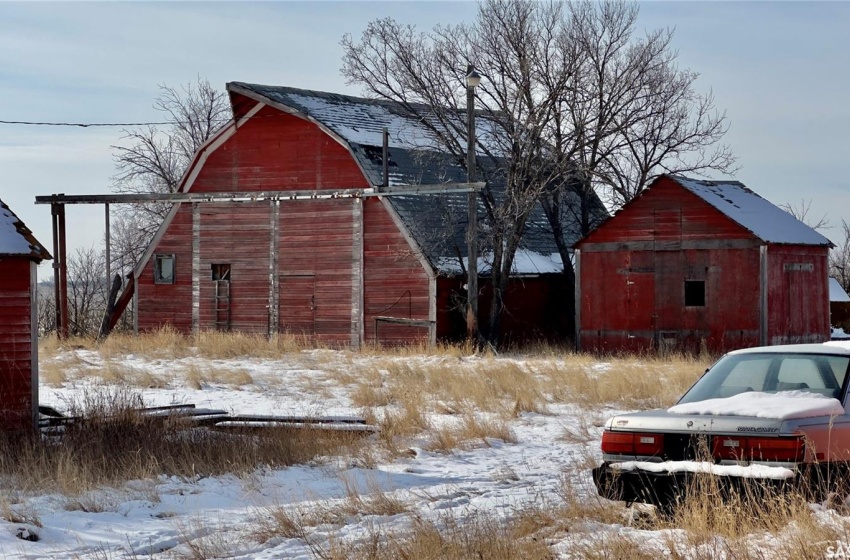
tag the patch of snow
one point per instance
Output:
(838, 334)
(783, 405)
(525, 262)
(836, 292)
(767, 221)
(363, 123)
(704, 467)
(11, 240)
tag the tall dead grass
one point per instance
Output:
(652, 381)
(448, 537)
(114, 443)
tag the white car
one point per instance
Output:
(775, 414)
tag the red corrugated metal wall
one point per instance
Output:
(16, 336)
(634, 267)
(798, 294)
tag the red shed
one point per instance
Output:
(344, 270)
(20, 253)
(691, 262)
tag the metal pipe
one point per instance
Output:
(386, 158)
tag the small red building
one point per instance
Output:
(345, 270)
(20, 253)
(691, 262)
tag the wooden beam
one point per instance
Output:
(400, 190)
(62, 327)
(57, 279)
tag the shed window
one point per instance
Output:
(221, 272)
(163, 269)
(694, 293)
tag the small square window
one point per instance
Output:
(220, 272)
(694, 293)
(163, 269)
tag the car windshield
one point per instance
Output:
(771, 373)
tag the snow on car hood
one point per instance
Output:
(743, 471)
(783, 405)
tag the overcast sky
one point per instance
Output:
(778, 69)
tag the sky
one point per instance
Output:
(778, 69)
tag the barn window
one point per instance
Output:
(220, 272)
(694, 293)
(163, 269)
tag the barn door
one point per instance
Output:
(802, 316)
(640, 290)
(298, 304)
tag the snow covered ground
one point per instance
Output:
(221, 516)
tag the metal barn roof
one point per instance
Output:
(16, 239)
(767, 221)
(436, 222)
(836, 292)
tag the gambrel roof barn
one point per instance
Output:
(691, 262)
(346, 270)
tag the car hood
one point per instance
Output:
(663, 421)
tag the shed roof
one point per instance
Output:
(836, 292)
(767, 221)
(436, 222)
(16, 239)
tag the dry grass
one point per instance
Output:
(630, 382)
(114, 443)
(469, 431)
(197, 377)
(297, 522)
(448, 538)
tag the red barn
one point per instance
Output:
(692, 262)
(344, 270)
(20, 253)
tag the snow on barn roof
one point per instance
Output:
(437, 222)
(767, 221)
(836, 292)
(16, 239)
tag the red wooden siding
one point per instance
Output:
(634, 267)
(395, 284)
(278, 151)
(667, 213)
(798, 295)
(161, 304)
(316, 239)
(535, 308)
(237, 234)
(16, 336)
(634, 300)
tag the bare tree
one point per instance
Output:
(801, 212)
(839, 258)
(86, 292)
(154, 159)
(86, 295)
(571, 96)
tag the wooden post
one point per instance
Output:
(63, 272)
(57, 279)
(107, 241)
(472, 226)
